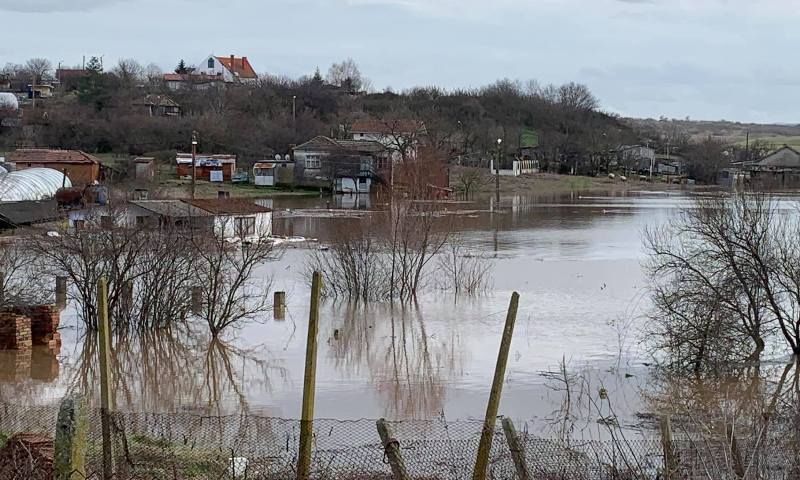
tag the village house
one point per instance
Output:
(210, 167)
(346, 166)
(40, 91)
(230, 69)
(167, 214)
(80, 167)
(779, 169)
(402, 137)
(269, 173)
(159, 106)
(237, 218)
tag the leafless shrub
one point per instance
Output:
(20, 281)
(462, 270)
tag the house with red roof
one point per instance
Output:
(231, 69)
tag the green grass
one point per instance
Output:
(579, 183)
(4, 436)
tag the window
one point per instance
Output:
(244, 226)
(211, 62)
(313, 161)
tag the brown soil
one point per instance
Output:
(27, 456)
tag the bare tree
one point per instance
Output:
(129, 72)
(576, 96)
(225, 273)
(38, 69)
(346, 74)
(725, 276)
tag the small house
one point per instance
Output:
(167, 214)
(209, 167)
(273, 172)
(779, 169)
(40, 91)
(237, 219)
(159, 106)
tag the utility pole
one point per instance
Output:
(294, 113)
(747, 147)
(194, 162)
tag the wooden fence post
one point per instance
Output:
(69, 446)
(517, 452)
(392, 449)
(670, 465)
(485, 446)
(104, 350)
(309, 382)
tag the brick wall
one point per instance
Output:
(15, 331)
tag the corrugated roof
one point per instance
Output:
(31, 184)
(228, 206)
(46, 155)
(171, 208)
(158, 101)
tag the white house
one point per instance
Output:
(230, 69)
(237, 219)
(401, 137)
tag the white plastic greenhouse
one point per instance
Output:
(31, 184)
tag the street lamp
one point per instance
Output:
(194, 163)
(497, 173)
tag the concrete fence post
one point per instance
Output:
(61, 292)
(279, 305)
(69, 447)
(670, 464)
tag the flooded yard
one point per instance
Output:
(576, 262)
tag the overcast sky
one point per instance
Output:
(707, 59)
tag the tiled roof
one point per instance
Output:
(228, 206)
(46, 155)
(387, 126)
(241, 66)
(323, 143)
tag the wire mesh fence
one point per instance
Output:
(182, 446)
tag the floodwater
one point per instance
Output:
(575, 260)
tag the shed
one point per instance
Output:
(82, 168)
(264, 174)
(210, 167)
(145, 168)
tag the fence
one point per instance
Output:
(179, 446)
(184, 446)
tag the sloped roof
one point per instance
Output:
(228, 206)
(158, 101)
(785, 157)
(323, 143)
(46, 155)
(171, 208)
(387, 126)
(241, 66)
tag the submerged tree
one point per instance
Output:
(726, 276)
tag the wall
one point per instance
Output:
(218, 69)
(225, 225)
(80, 174)
(15, 331)
(204, 173)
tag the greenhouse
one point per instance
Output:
(31, 184)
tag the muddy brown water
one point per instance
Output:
(575, 260)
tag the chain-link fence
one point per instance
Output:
(179, 446)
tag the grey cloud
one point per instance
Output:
(47, 6)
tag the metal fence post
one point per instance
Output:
(104, 350)
(309, 382)
(670, 465)
(392, 449)
(484, 448)
(517, 452)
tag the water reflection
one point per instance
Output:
(23, 373)
(409, 367)
(177, 368)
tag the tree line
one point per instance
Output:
(103, 113)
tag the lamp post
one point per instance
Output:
(497, 173)
(294, 115)
(194, 163)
